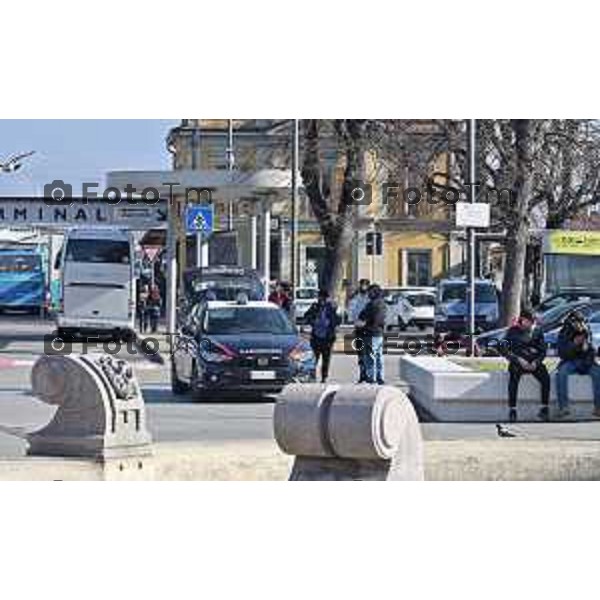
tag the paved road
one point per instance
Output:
(170, 418)
(173, 418)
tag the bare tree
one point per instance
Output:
(568, 181)
(548, 166)
(335, 216)
(392, 145)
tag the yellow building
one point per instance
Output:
(417, 248)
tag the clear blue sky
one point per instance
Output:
(80, 150)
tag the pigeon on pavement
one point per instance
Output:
(504, 433)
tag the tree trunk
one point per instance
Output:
(514, 273)
(337, 255)
(518, 232)
(337, 228)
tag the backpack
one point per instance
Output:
(322, 324)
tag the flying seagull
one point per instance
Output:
(14, 162)
(504, 433)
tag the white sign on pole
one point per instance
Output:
(476, 214)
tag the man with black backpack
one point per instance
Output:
(372, 323)
(323, 318)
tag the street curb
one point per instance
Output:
(460, 460)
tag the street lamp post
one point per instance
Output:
(230, 164)
(294, 207)
(472, 153)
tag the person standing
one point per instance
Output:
(356, 305)
(280, 297)
(372, 322)
(153, 307)
(324, 320)
(525, 350)
(578, 356)
(141, 306)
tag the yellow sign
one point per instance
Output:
(573, 242)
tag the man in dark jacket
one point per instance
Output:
(371, 321)
(525, 350)
(323, 318)
(578, 356)
(357, 303)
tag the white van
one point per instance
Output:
(98, 283)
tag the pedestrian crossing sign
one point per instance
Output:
(199, 219)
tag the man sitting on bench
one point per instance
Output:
(578, 356)
(525, 350)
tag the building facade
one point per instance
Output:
(417, 241)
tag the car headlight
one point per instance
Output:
(301, 354)
(214, 352)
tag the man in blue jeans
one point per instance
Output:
(578, 356)
(372, 322)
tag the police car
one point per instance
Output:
(239, 348)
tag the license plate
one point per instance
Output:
(262, 375)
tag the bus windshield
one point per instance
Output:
(98, 251)
(572, 271)
(13, 263)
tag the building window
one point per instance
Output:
(418, 267)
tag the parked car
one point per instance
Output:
(488, 343)
(240, 348)
(563, 298)
(304, 298)
(217, 282)
(423, 304)
(225, 281)
(451, 312)
(400, 312)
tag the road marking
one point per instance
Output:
(11, 363)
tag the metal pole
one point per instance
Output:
(230, 163)
(253, 242)
(294, 207)
(472, 131)
(171, 271)
(266, 240)
(199, 261)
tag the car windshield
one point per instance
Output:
(420, 300)
(19, 264)
(307, 294)
(98, 251)
(247, 319)
(456, 291)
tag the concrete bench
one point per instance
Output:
(449, 391)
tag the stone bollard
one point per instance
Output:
(349, 432)
(100, 412)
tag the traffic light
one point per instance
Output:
(374, 243)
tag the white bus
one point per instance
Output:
(98, 283)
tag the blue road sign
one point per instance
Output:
(199, 219)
